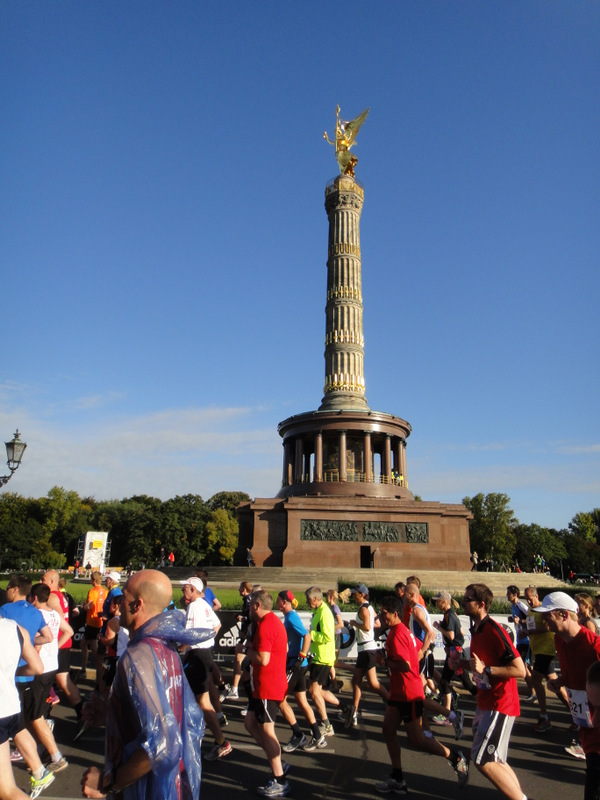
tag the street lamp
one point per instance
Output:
(14, 451)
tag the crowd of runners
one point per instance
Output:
(158, 687)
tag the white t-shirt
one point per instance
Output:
(10, 655)
(200, 615)
(366, 639)
(49, 651)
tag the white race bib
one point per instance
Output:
(580, 708)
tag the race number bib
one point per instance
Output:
(580, 708)
(481, 681)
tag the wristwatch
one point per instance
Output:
(488, 671)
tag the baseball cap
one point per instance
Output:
(195, 582)
(114, 576)
(443, 596)
(361, 589)
(557, 601)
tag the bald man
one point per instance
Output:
(153, 725)
(58, 602)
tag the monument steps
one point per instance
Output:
(297, 578)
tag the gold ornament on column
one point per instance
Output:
(345, 135)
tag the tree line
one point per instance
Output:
(44, 532)
(497, 535)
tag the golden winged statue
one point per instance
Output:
(345, 135)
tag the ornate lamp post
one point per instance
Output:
(14, 451)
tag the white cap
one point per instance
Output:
(114, 576)
(557, 601)
(195, 582)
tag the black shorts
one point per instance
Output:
(197, 667)
(265, 711)
(8, 727)
(523, 651)
(410, 710)
(543, 664)
(64, 660)
(319, 673)
(42, 684)
(90, 633)
(427, 665)
(26, 695)
(297, 679)
(365, 659)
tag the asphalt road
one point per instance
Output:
(353, 761)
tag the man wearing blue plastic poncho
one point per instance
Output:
(154, 726)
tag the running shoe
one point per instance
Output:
(326, 729)
(543, 725)
(15, 755)
(38, 785)
(315, 744)
(57, 766)
(440, 719)
(392, 785)
(459, 724)
(218, 751)
(274, 789)
(350, 717)
(79, 730)
(575, 750)
(294, 743)
(460, 765)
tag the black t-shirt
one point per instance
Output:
(452, 623)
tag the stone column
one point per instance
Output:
(344, 339)
(387, 459)
(343, 472)
(318, 457)
(299, 460)
(368, 458)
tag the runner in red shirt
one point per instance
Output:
(267, 655)
(577, 649)
(495, 664)
(405, 702)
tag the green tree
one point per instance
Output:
(66, 519)
(492, 529)
(184, 521)
(222, 530)
(584, 525)
(44, 555)
(533, 539)
(20, 528)
(227, 500)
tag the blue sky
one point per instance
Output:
(163, 240)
